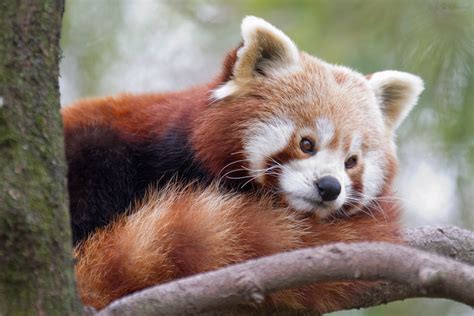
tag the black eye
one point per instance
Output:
(307, 146)
(351, 162)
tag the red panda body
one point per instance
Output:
(281, 151)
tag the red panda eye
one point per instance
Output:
(307, 146)
(351, 162)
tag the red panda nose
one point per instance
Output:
(328, 188)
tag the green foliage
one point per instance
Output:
(93, 53)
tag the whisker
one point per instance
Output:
(231, 171)
(372, 203)
(259, 175)
(230, 164)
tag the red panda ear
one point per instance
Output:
(265, 51)
(396, 93)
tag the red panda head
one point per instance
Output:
(321, 135)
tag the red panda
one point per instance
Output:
(318, 135)
(284, 150)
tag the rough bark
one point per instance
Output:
(445, 240)
(409, 272)
(36, 268)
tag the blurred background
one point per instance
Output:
(112, 46)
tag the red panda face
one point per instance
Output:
(318, 134)
(318, 138)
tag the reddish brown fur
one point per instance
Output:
(142, 116)
(228, 65)
(137, 116)
(178, 233)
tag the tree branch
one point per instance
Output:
(409, 273)
(446, 240)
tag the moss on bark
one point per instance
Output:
(36, 268)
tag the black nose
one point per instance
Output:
(328, 188)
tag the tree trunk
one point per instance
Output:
(36, 268)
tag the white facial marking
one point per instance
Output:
(325, 130)
(264, 140)
(298, 181)
(356, 144)
(373, 176)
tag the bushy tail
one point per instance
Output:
(183, 231)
